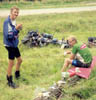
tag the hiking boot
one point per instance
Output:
(12, 85)
(10, 82)
(17, 74)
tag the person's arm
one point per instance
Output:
(69, 52)
(8, 34)
(16, 29)
(72, 56)
(15, 32)
(74, 52)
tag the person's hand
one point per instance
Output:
(19, 27)
(65, 53)
(68, 52)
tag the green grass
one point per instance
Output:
(41, 67)
(47, 4)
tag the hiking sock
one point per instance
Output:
(17, 74)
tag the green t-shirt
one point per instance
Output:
(83, 50)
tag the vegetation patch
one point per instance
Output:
(41, 66)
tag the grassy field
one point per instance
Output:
(41, 67)
(48, 4)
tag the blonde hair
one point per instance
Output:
(14, 7)
(73, 38)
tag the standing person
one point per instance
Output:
(10, 39)
(82, 50)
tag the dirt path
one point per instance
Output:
(4, 13)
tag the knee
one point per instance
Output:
(11, 63)
(20, 61)
(66, 60)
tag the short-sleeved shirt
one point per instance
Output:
(83, 50)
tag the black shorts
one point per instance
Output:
(13, 52)
(78, 63)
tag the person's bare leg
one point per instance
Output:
(19, 61)
(9, 74)
(66, 64)
(10, 66)
(17, 73)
